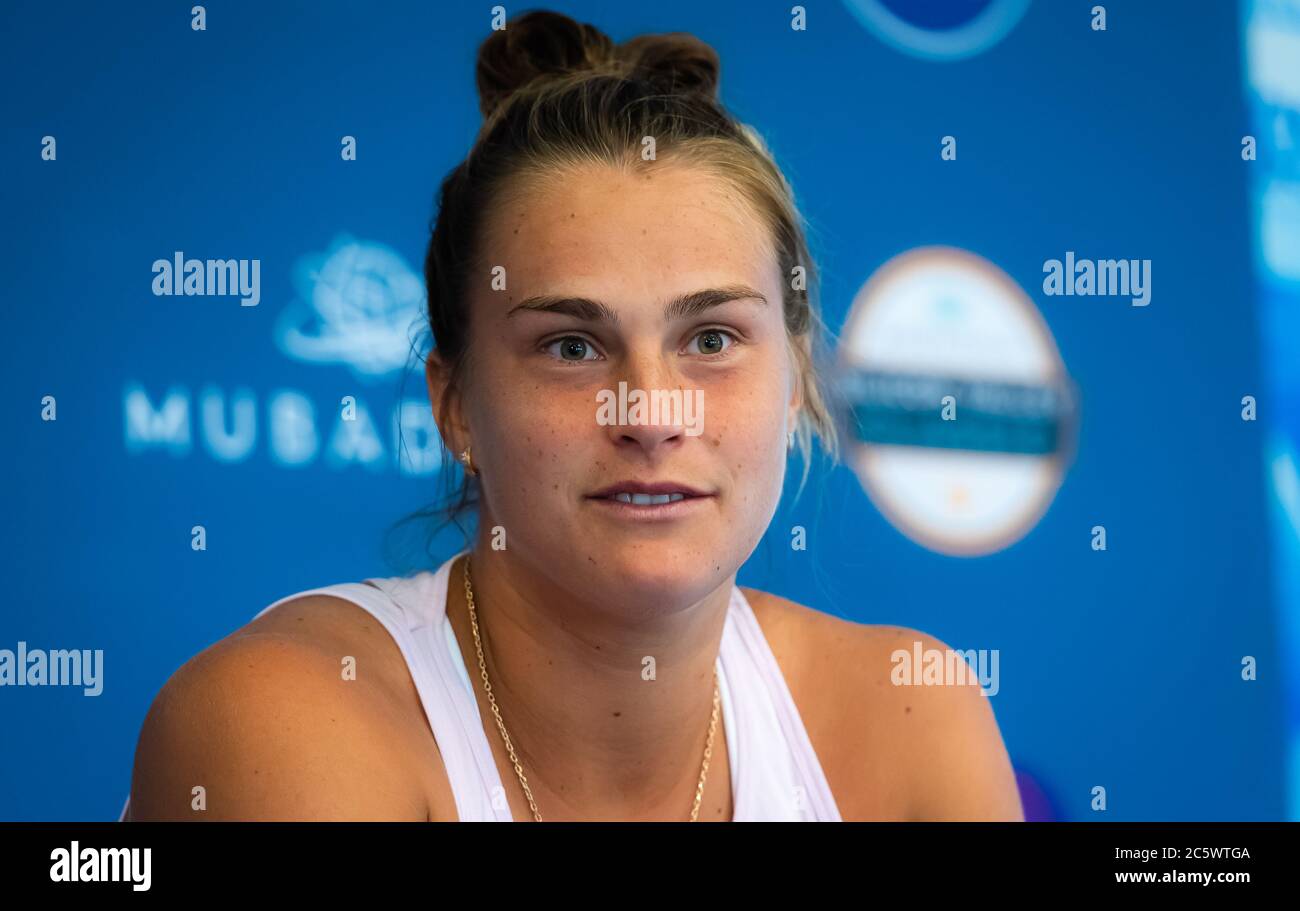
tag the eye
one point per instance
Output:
(711, 341)
(572, 348)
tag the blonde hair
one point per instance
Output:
(556, 93)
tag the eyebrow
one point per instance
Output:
(681, 307)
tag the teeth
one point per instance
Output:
(648, 499)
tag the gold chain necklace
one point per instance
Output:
(487, 688)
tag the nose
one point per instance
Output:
(648, 407)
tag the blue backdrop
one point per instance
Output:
(1121, 669)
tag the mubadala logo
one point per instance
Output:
(355, 307)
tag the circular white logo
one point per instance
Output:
(962, 414)
(355, 305)
(939, 31)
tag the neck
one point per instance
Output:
(607, 706)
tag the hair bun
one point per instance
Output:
(535, 44)
(542, 43)
(673, 61)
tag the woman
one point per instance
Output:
(613, 238)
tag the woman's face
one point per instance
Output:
(592, 261)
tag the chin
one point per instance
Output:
(656, 573)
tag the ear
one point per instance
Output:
(444, 399)
(795, 405)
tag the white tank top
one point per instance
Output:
(775, 775)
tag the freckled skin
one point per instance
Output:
(531, 415)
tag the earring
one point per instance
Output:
(468, 462)
(789, 440)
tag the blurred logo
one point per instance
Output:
(963, 417)
(932, 30)
(355, 305)
(1271, 35)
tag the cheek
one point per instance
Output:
(746, 430)
(748, 408)
(533, 429)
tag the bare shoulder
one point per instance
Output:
(265, 725)
(338, 628)
(890, 751)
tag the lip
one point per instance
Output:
(693, 500)
(655, 487)
(658, 512)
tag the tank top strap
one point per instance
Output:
(776, 773)
(416, 606)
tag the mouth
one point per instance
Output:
(660, 500)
